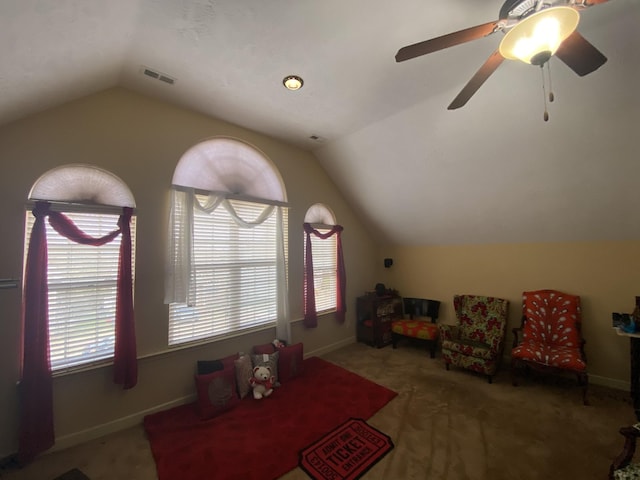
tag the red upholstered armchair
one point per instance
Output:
(551, 336)
(477, 341)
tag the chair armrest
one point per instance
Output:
(448, 332)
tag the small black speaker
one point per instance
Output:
(388, 262)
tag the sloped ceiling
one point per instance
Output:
(492, 171)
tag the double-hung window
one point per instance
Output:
(234, 271)
(324, 273)
(82, 281)
(227, 259)
(324, 270)
(83, 254)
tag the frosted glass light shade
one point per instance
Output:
(78, 183)
(229, 165)
(537, 37)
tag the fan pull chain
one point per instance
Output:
(544, 95)
(551, 96)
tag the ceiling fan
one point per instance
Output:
(534, 30)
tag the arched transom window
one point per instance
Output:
(226, 266)
(87, 210)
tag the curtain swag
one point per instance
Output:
(310, 313)
(36, 387)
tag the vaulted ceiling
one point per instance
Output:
(417, 173)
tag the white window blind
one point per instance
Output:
(324, 252)
(82, 282)
(234, 274)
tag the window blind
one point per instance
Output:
(234, 274)
(82, 282)
(324, 271)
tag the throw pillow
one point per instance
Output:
(265, 348)
(216, 392)
(290, 362)
(244, 371)
(206, 367)
(267, 360)
(209, 366)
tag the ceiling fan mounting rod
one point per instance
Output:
(539, 5)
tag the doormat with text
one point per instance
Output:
(345, 453)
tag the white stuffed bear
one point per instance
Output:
(261, 382)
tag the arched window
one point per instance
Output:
(82, 278)
(78, 288)
(324, 276)
(324, 257)
(226, 265)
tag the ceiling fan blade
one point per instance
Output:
(445, 41)
(477, 80)
(579, 55)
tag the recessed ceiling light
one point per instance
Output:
(293, 82)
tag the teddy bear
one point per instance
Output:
(262, 382)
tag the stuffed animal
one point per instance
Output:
(279, 343)
(262, 382)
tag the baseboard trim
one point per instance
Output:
(76, 438)
(331, 347)
(610, 382)
(98, 431)
(594, 379)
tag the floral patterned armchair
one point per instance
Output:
(477, 341)
(551, 336)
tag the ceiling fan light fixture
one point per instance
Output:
(293, 82)
(537, 37)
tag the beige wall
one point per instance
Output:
(141, 140)
(604, 274)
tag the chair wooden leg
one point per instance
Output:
(490, 378)
(583, 379)
(514, 377)
(432, 348)
(625, 457)
(446, 365)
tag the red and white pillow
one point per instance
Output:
(216, 392)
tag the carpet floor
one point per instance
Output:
(234, 444)
(444, 424)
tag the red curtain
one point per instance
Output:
(36, 388)
(125, 363)
(36, 391)
(310, 313)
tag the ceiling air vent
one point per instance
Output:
(317, 138)
(158, 76)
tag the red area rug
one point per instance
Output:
(345, 453)
(261, 439)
